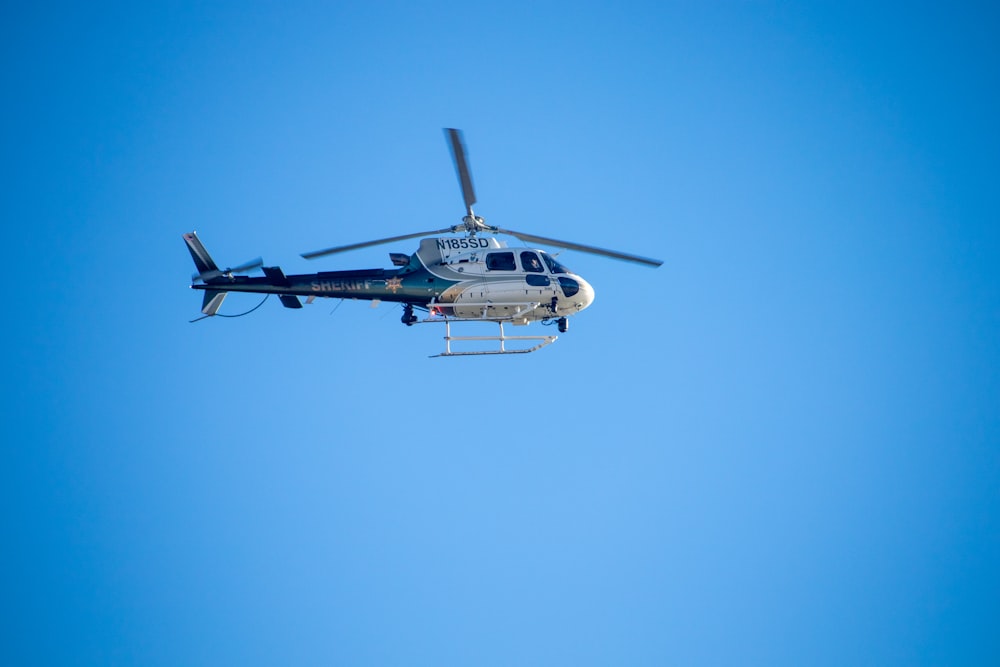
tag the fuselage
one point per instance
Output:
(473, 277)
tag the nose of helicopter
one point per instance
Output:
(577, 292)
(586, 294)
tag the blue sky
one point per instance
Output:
(781, 447)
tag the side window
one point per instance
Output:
(500, 261)
(530, 263)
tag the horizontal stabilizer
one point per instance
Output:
(276, 276)
(290, 301)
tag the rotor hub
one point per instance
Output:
(473, 223)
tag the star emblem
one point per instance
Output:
(393, 284)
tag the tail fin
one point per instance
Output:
(206, 267)
(202, 260)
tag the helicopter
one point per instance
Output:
(472, 278)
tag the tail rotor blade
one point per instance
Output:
(246, 267)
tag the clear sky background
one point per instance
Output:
(782, 447)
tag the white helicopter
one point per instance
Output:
(467, 279)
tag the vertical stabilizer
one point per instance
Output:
(202, 260)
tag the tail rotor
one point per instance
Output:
(211, 274)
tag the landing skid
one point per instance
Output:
(501, 341)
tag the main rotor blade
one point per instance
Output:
(531, 238)
(354, 246)
(461, 166)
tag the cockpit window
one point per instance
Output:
(554, 266)
(500, 261)
(530, 263)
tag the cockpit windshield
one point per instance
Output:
(554, 266)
